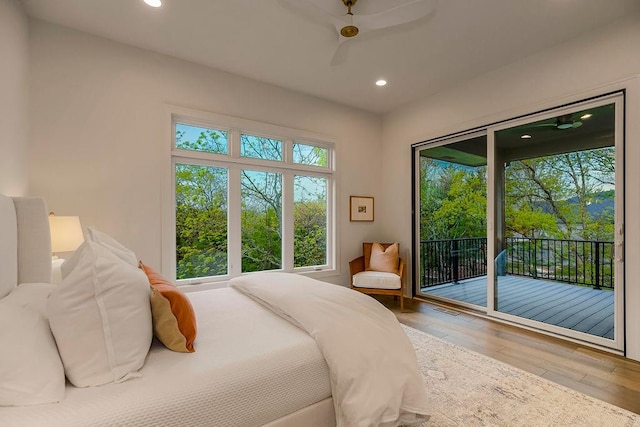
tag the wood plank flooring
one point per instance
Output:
(574, 307)
(604, 376)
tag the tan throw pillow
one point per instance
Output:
(384, 259)
(174, 320)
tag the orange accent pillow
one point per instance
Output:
(384, 259)
(174, 320)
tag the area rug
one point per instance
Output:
(469, 389)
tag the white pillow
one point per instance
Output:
(70, 263)
(103, 239)
(31, 295)
(125, 254)
(31, 372)
(100, 316)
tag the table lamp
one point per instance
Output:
(66, 233)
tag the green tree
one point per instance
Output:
(559, 189)
(453, 200)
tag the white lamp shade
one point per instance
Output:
(66, 233)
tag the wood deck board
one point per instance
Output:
(519, 304)
(574, 307)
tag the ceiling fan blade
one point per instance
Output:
(403, 14)
(543, 125)
(309, 10)
(339, 22)
(340, 54)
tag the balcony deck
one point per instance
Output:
(574, 307)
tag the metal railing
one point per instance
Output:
(451, 260)
(581, 262)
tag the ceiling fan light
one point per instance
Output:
(381, 82)
(526, 136)
(586, 116)
(154, 3)
(349, 31)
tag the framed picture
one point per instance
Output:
(361, 208)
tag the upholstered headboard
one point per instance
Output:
(25, 242)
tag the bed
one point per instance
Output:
(260, 359)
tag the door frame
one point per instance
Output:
(616, 97)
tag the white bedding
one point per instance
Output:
(375, 379)
(250, 367)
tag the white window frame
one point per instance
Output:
(234, 163)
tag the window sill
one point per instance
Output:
(207, 284)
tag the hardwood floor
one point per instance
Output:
(607, 377)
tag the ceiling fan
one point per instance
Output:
(354, 25)
(564, 122)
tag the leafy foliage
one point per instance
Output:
(201, 221)
(310, 221)
(453, 201)
(551, 196)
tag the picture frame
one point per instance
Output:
(361, 208)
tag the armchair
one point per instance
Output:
(389, 280)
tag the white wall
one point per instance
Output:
(14, 95)
(99, 131)
(586, 66)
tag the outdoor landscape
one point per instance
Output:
(559, 217)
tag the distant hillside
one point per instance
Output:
(602, 202)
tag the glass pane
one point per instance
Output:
(261, 221)
(309, 155)
(310, 221)
(201, 221)
(453, 221)
(557, 258)
(201, 139)
(260, 147)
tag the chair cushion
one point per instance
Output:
(376, 280)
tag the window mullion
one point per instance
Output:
(234, 234)
(287, 221)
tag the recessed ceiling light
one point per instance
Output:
(154, 3)
(586, 116)
(381, 82)
(526, 136)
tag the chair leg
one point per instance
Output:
(401, 303)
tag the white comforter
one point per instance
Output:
(375, 380)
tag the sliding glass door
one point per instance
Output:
(525, 221)
(452, 247)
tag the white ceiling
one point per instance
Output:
(266, 40)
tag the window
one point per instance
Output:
(310, 220)
(260, 147)
(261, 221)
(201, 220)
(309, 154)
(247, 197)
(201, 139)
